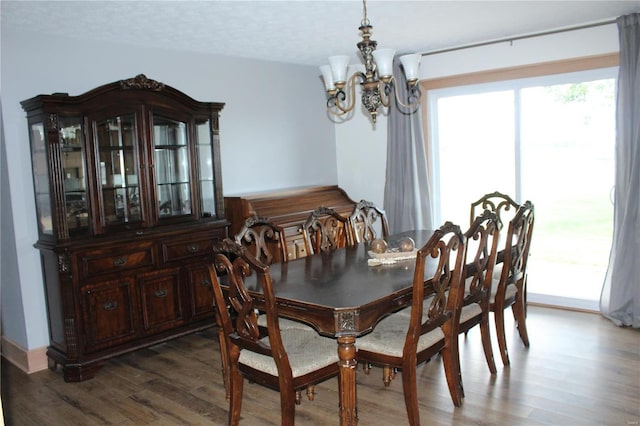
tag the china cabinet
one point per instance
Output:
(129, 202)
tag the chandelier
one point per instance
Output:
(377, 81)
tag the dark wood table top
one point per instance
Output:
(338, 293)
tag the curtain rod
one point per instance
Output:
(520, 37)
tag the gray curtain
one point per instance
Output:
(407, 195)
(620, 299)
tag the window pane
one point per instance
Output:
(568, 136)
(476, 150)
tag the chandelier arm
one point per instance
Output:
(414, 93)
(385, 97)
(336, 113)
(350, 98)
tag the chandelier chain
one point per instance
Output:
(365, 20)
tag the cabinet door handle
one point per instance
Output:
(161, 293)
(110, 306)
(206, 283)
(193, 248)
(121, 261)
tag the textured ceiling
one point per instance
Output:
(303, 32)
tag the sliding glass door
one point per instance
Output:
(549, 140)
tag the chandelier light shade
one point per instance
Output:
(377, 80)
(339, 66)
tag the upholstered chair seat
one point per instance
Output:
(307, 351)
(470, 311)
(391, 333)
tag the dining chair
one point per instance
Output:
(264, 239)
(325, 229)
(481, 252)
(402, 342)
(286, 360)
(502, 204)
(368, 222)
(509, 283)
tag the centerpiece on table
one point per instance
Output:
(381, 253)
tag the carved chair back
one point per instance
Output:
(264, 239)
(517, 244)
(368, 222)
(325, 229)
(482, 249)
(447, 248)
(503, 205)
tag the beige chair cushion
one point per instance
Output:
(307, 351)
(511, 288)
(466, 313)
(470, 311)
(389, 335)
(497, 271)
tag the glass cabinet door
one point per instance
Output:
(171, 165)
(41, 178)
(73, 169)
(119, 173)
(205, 162)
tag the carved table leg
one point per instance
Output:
(347, 383)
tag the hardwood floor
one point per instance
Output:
(580, 370)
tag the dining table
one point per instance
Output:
(342, 296)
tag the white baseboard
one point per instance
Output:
(27, 361)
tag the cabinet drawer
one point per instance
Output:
(112, 260)
(182, 250)
(295, 242)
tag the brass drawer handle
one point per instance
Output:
(193, 248)
(206, 283)
(110, 306)
(121, 261)
(161, 293)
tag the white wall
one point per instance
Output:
(361, 148)
(274, 132)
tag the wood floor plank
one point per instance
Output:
(580, 370)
